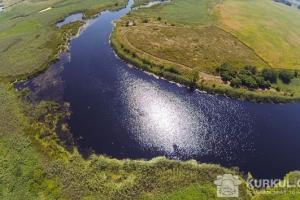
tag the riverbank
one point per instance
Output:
(35, 164)
(190, 53)
(30, 38)
(188, 80)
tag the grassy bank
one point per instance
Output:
(36, 165)
(191, 78)
(180, 43)
(29, 39)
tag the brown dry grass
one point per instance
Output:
(202, 48)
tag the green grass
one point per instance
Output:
(29, 39)
(190, 37)
(270, 28)
(140, 2)
(34, 163)
(185, 12)
(22, 174)
(35, 166)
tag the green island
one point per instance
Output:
(217, 46)
(35, 163)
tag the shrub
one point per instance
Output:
(236, 82)
(172, 70)
(251, 69)
(269, 75)
(262, 83)
(286, 76)
(248, 80)
(227, 72)
(145, 20)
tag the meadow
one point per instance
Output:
(193, 38)
(270, 29)
(29, 39)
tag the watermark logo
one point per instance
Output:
(227, 186)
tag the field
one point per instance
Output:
(193, 38)
(140, 2)
(29, 38)
(271, 29)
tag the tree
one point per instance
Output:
(236, 82)
(251, 69)
(269, 75)
(248, 81)
(262, 83)
(226, 72)
(286, 76)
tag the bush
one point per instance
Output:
(248, 80)
(286, 76)
(172, 70)
(236, 82)
(227, 72)
(251, 69)
(269, 75)
(262, 83)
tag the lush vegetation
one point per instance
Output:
(29, 39)
(35, 164)
(194, 44)
(253, 22)
(37, 156)
(250, 78)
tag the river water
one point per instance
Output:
(123, 112)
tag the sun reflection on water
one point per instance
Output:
(160, 120)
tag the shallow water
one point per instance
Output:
(72, 18)
(123, 112)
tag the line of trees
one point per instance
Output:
(251, 78)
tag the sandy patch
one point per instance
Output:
(46, 9)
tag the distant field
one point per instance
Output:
(271, 29)
(29, 38)
(203, 47)
(140, 2)
(184, 12)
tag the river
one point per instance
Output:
(124, 112)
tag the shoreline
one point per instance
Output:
(74, 30)
(244, 95)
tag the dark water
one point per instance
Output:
(72, 18)
(123, 112)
